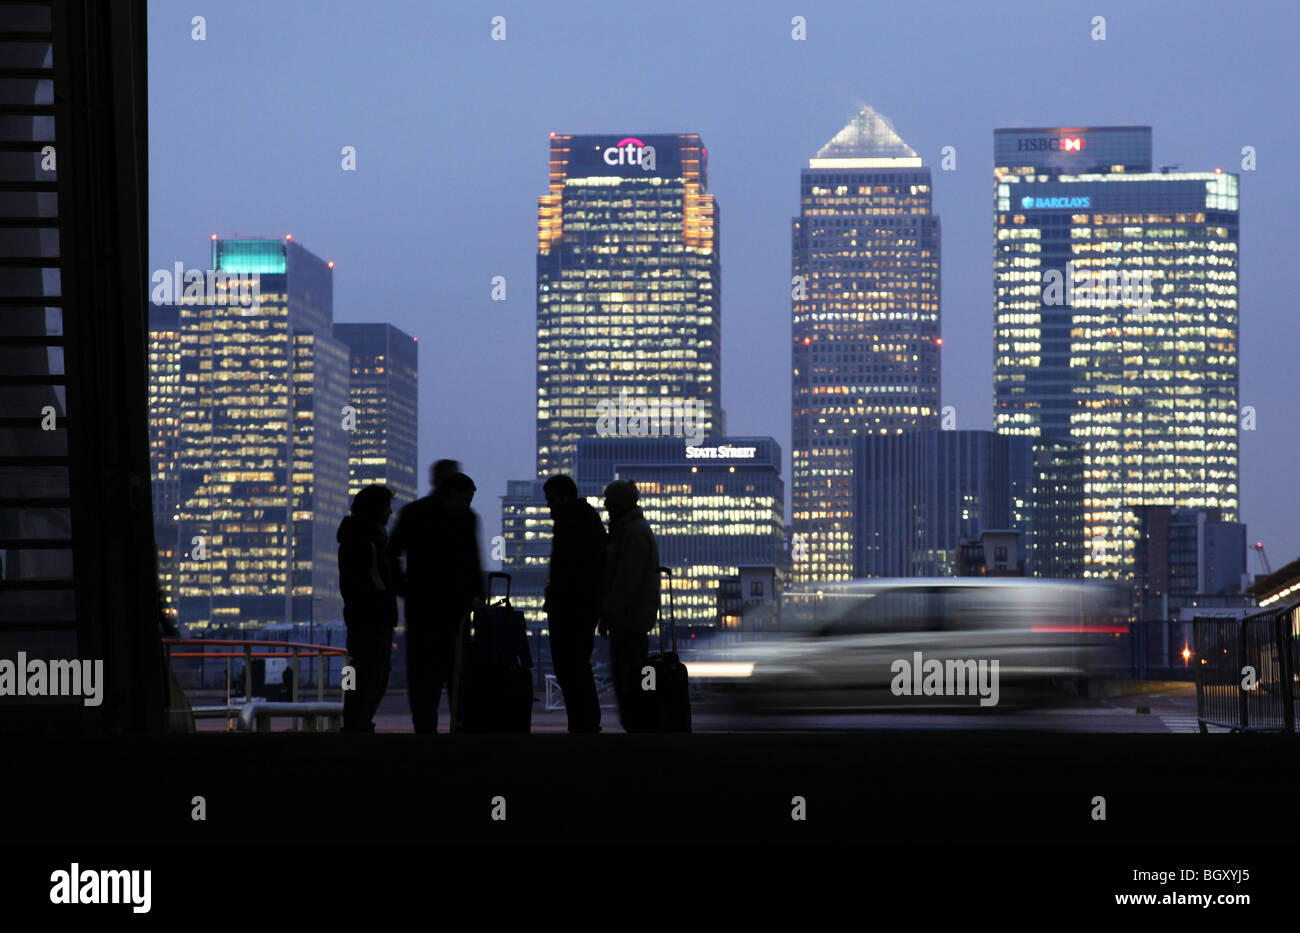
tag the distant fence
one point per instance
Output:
(1246, 671)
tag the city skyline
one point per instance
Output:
(755, 310)
(260, 258)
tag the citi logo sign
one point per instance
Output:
(631, 151)
(1038, 144)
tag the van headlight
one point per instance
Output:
(719, 669)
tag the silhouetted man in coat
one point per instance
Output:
(441, 470)
(369, 589)
(573, 598)
(442, 582)
(631, 604)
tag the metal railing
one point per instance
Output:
(251, 650)
(1246, 671)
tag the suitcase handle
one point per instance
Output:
(506, 577)
(667, 572)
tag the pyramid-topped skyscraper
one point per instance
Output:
(865, 326)
(868, 137)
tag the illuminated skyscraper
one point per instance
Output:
(263, 452)
(164, 441)
(865, 300)
(628, 290)
(384, 397)
(1116, 323)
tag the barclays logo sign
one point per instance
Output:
(1041, 203)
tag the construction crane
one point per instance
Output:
(1263, 558)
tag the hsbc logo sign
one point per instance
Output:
(631, 151)
(1054, 144)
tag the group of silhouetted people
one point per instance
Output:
(606, 583)
(599, 581)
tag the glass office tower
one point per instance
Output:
(384, 395)
(264, 455)
(1116, 322)
(628, 291)
(164, 441)
(865, 349)
(920, 494)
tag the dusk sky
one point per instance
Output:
(451, 134)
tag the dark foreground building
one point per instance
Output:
(76, 523)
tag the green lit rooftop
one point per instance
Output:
(266, 256)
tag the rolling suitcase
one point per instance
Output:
(493, 678)
(667, 707)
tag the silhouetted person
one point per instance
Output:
(369, 589)
(286, 683)
(441, 470)
(573, 598)
(631, 604)
(441, 583)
